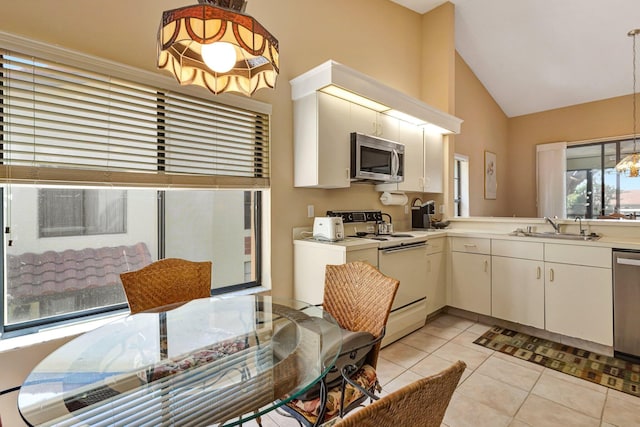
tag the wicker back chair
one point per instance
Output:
(359, 297)
(422, 403)
(167, 281)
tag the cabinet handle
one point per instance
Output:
(429, 266)
(551, 275)
(538, 272)
(486, 265)
(470, 245)
(348, 170)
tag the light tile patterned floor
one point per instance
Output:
(496, 389)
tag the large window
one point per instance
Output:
(67, 275)
(100, 174)
(594, 188)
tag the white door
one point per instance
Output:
(550, 174)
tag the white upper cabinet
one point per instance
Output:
(433, 162)
(423, 161)
(322, 147)
(323, 123)
(369, 122)
(411, 136)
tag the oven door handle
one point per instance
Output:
(403, 248)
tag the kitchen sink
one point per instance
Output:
(554, 235)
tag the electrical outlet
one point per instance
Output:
(442, 209)
(310, 211)
(406, 209)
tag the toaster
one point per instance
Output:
(328, 228)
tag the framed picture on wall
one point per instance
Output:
(490, 175)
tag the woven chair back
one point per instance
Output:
(359, 297)
(167, 281)
(422, 403)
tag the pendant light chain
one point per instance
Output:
(630, 164)
(634, 33)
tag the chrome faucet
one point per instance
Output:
(579, 219)
(555, 226)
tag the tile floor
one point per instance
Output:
(496, 389)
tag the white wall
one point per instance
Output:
(222, 219)
(21, 215)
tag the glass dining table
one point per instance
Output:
(212, 361)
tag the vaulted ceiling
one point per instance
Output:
(537, 55)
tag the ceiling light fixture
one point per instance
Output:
(630, 165)
(216, 46)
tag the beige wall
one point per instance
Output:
(409, 52)
(485, 127)
(438, 81)
(376, 37)
(438, 58)
(606, 119)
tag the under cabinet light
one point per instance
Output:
(436, 129)
(355, 98)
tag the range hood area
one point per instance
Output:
(342, 81)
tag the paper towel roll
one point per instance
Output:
(393, 198)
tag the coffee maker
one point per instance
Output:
(421, 214)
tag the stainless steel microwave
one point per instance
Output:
(375, 159)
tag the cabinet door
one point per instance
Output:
(436, 282)
(433, 162)
(517, 290)
(362, 120)
(370, 122)
(471, 282)
(579, 302)
(411, 136)
(334, 143)
(387, 127)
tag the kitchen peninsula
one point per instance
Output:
(479, 268)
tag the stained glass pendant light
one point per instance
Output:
(630, 165)
(215, 45)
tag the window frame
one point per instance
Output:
(591, 182)
(164, 84)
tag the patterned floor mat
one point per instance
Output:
(604, 370)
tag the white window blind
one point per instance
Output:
(62, 124)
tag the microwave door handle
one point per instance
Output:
(395, 163)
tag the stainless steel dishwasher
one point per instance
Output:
(626, 297)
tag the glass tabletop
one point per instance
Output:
(204, 362)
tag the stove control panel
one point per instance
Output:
(357, 216)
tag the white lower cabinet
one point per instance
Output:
(310, 260)
(436, 275)
(563, 288)
(518, 290)
(470, 275)
(579, 298)
(517, 287)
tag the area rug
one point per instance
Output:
(604, 370)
